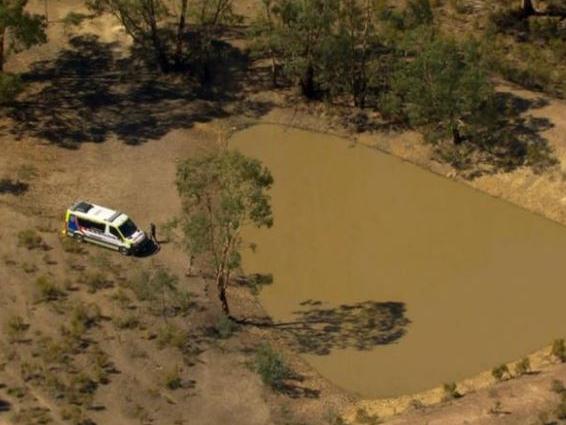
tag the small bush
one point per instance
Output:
(173, 379)
(29, 239)
(15, 329)
(500, 372)
(94, 281)
(84, 316)
(557, 386)
(363, 417)
(71, 246)
(225, 327)
(129, 321)
(270, 366)
(74, 19)
(451, 391)
(523, 367)
(48, 290)
(29, 268)
(10, 86)
(171, 335)
(558, 350)
(560, 411)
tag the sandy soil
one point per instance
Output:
(136, 174)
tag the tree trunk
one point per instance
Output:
(160, 54)
(221, 285)
(527, 8)
(181, 33)
(456, 136)
(307, 82)
(2, 34)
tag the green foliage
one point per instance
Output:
(558, 350)
(225, 327)
(74, 19)
(84, 316)
(30, 239)
(500, 372)
(444, 89)
(523, 367)
(25, 29)
(222, 192)
(10, 86)
(270, 366)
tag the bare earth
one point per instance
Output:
(88, 134)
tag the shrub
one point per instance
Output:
(270, 366)
(29, 268)
(71, 246)
(558, 350)
(129, 321)
(225, 327)
(557, 386)
(84, 316)
(451, 391)
(173, 379)
(95, 281)
(500, 372)
(363, 417)
(523, 367)
(560, 410)
(10, 86)
(171, 335)
(29, 239)
(15, 329)
(48, 290)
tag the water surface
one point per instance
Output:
(437, 282)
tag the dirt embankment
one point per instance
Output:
(143, 127)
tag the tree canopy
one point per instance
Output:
(222, 192)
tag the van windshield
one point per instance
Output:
(128, 228)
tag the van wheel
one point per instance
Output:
(78, 237)
(124, 251)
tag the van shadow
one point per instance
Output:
(89, 93)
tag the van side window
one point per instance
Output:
(114, 231)
(91, 225)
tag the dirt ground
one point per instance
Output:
(83, 130)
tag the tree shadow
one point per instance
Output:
(513, 139)
(89, 94)
(13, 187)
(4, 406)
(361, 326)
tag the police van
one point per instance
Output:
(92, 223)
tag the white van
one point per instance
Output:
(90, 222)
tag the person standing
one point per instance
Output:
(153, 233)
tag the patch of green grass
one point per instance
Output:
(94, 281)
(271, 366)
(225, 327)
(171, 336)
(173, 379)
(71, 246)
(523, 367)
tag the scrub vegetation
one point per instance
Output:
(89, 337)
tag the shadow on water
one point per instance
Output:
(362, 326)
(88, 94)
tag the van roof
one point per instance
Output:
(98, 212)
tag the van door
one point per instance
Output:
(91, 229)
(114, 237)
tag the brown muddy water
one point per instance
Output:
(391, 279)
